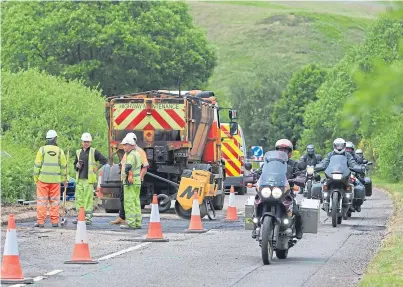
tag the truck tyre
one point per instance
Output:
(241, 190)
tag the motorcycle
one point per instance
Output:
(337, 189)
(273, 219)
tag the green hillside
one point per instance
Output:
(280, 36)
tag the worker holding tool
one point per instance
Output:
(49, 172)
(144, 165)
(86, 169)
(130, 176)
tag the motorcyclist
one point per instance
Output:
(350, 150)
(310, 157)
(293, 172)
(339, 148)
(360, 157)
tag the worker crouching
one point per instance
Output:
(49, 172)
(130, 174)
(86, 175)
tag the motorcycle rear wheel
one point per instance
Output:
(335, 204)
(267, 235)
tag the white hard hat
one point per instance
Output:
(86, 137)
(128, 140)
(51, 134)
(132, 135)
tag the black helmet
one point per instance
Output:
(310, 149)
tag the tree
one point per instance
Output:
(119, 46)
(289, 109)
(254, 96)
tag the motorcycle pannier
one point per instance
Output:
(368, 186)
(310, 212)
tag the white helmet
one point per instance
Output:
(86, 137)
(128, 140)
(51, 134)
(358, 151)
(339, 145)
(132, 135)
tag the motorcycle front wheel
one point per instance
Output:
(335, 204)
(267, 243)
(309, 189)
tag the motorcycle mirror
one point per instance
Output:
(370, 163)
(301, 165)
(248, 166)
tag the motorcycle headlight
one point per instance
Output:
(310, 170)
(277, 192)
(266, 192)
(337, 176)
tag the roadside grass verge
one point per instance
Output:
(386, 268)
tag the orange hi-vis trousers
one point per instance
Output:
(47, 193)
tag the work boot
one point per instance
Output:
(55, 224)
(118, 221)
(39, 225)
(358, 208)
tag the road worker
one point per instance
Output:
(86, 169)
(144, 165)
(130, 176)
(49, 172)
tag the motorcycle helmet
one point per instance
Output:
(359, 152)
(285, 145)
(339, 146)
(349, 147)
(310, 149)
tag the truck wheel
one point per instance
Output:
(241, 190)
(111, 210)
(218, 202)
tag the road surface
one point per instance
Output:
(226, 255)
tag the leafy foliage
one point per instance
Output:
(34, 102)
(289, 109)
(121, 47)
(254, 97)
(364, 91)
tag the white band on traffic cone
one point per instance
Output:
(195, 207)
(81, 233)
(10, 246)
(155, 214)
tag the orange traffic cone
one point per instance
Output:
(231, 210)
(11, 271)
(81, 252)
(195, 225)
(155, 229)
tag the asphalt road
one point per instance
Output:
(226, 255)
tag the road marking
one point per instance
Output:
(39, 278)
(53, 272)
(123, 251)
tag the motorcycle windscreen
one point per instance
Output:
(274, 172)
(338, 164)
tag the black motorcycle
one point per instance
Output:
(273, 217)
(337, 189)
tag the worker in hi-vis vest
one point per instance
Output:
(49, 172)
(144, 166)
(86, 175)
(130, 176)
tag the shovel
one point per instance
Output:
(63, 222)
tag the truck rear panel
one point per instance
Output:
(232, 151)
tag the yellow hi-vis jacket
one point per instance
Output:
(50, 165)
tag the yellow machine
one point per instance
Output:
(198, 182)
